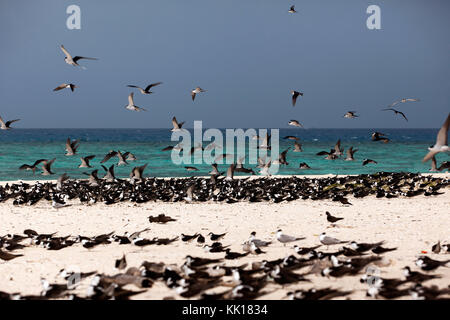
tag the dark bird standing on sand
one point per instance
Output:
(331, 218)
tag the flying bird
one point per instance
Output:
(403, 101)
(85, 161)
(297, 147)
(46, 167)
(147, 88)
(367, 161)
(71, 147)
(292, 9)
(70, 86)
(396, 112)
(378, 136)
(195, 91)
(350, 153)
(350, 115)
(33, 166)
(295, 94)
(441, 144)
(6, 125)
(73, 61)
(131, 105)
(176, 125)
(295, 123)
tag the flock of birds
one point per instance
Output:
(212, 279)
(441, 144)
(195, 189)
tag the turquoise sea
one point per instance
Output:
(19, 146)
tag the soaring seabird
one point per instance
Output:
(441, 144)
(297, 147)
(230, 172)
(378, 136)
(266, 142)
(61, 179)
(215, 171)
(295, 123)
(94, 180)
(292, 9)
(46, 167)
(131, 105)
(304, 165)
(70, 86)
(71, 147)
(137, 173)
(295, 94)
(350, 153)
(396, 112)
(195, 91)
(122, 160)
(85, 161)
(6, 125)
(350, 114)
(33, 166)
(338, 151)
(147, 88)
(367, 161)
(176, 125)
(403, 101)
(73, 61)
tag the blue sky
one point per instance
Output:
(247, 54)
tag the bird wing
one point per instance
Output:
(442, 136)
(130, 99)
(133, 86)
(175, 123)
(193, 95)
(429, 155)
(76, 58)
(90, 157)
(38, 161)
(11, 121)
(337, 146)
(403, 115)
(66, 52)
(60, 87)
(152, 85)
(294, 99)
(109, 156)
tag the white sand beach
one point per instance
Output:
(412, 225)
